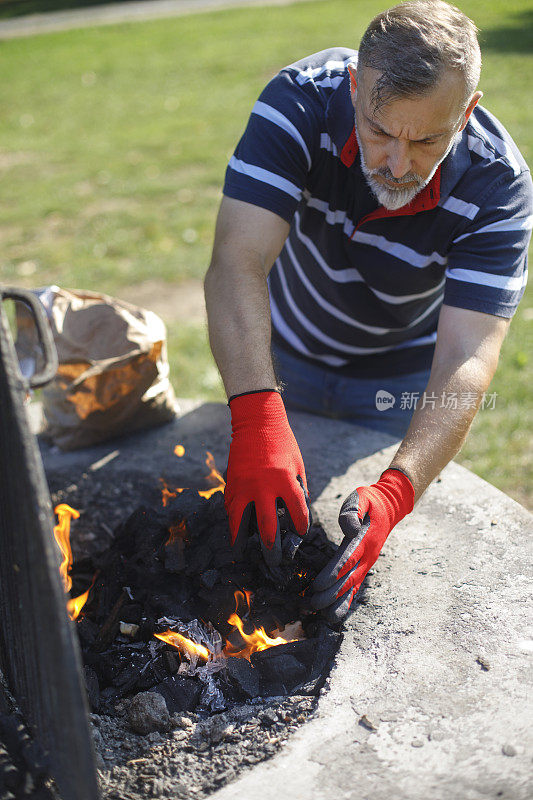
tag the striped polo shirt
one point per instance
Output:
(356, 287)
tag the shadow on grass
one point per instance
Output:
(517, 37)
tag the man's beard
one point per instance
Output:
(393, 199)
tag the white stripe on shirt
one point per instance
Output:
(513, 224)
(510, 284)
(286, 333)
(276, 117)
(338, 275)
(499, 145)
(395, 249)
(263, 175)
(457, 206)
(311, 73)
(336, 312)
(327, 144)
(314, 331)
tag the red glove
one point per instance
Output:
(264, 464)
(366, 518)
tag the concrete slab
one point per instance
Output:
(430, 696)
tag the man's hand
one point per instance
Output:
(264, 464)
(366, 518)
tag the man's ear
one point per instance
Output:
(476, 97)
(352, 69)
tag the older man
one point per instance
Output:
(376, 219)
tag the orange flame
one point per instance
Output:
(177, 533)
(255, 641)
(62, 536)
(183, 644)
(167, 494)
(214, 477)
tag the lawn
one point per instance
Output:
(113, 146)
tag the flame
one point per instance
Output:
(177, 533)
(214, 477)
(183, 644)
(255, 641)
(167, 494)
(62, 536)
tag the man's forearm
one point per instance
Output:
(436, 435)
(238, 313)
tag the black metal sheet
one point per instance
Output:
(39, 654)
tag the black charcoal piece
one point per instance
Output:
(87, 631)
(243, 677)
(148, 712)
(181, 693)
(93, 688)
(279, 667)
(210, 577)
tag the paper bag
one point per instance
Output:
(113, 375)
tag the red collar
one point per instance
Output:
(425, 200)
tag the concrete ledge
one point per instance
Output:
(438, 660)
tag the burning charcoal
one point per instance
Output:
(148, 712)
(171, 660)
(242, 677)
(180, 693)
(276, 667)
(93, 688)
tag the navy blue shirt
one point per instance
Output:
(356, 287)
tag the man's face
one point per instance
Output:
(403, 142)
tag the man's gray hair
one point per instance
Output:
(414, 43)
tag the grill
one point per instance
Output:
(39, 655)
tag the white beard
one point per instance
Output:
(393, 199)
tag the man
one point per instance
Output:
(379, 219)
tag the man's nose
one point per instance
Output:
(398, 159)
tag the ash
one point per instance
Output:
(198, 755)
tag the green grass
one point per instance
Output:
(112, 156)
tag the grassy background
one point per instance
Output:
(114, 142)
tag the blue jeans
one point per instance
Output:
(385, 404)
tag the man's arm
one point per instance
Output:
(465, 359)
(248, 240)
(265, 463)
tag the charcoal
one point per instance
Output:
(87, 631)
(210, 577)
(280, 667)
(199, 559)
(172, 661)
(327, 645)
(303, 651)
(131, 613)
(93, 688)
(154, 673)
(181, 693)
(148, 712)
(242, 677)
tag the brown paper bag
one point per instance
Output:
(113, 375)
